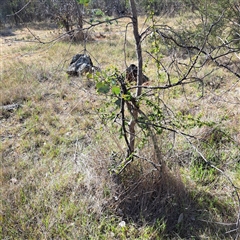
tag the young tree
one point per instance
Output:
(190, 50)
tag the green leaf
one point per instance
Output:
(116, 90)
(118, 102)
(102, 87)
(127, 97)
(107, 19)
(84, 2)
(99, 13)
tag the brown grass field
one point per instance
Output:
(58, 150)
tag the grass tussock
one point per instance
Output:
(60, 155)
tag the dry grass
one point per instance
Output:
(57, 172)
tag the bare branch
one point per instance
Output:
(16, 13)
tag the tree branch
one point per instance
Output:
(16, 13)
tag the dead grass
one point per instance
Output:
(57, 172)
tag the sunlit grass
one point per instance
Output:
(57, 170)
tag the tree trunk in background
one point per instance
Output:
(79, 8)
(134, 107)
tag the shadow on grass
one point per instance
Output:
(161, 200)
(6, 32)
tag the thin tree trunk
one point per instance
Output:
(79, 8)
(134, 110)
(80, 16)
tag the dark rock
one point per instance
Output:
(131, 74)
(80, 65)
